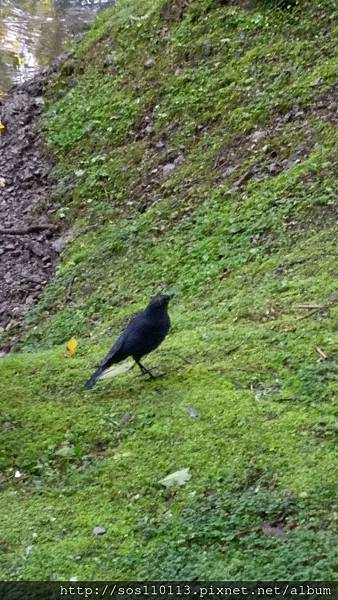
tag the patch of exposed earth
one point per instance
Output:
(27, 233)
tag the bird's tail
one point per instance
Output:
(93, 379)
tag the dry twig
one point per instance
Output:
(321, 353)
(314, 306)
(27, 230)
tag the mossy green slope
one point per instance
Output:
(195, 145)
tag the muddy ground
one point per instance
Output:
(27, 234)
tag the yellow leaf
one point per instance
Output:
(2, 127)
(71, 346)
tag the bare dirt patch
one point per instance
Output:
(27, 256)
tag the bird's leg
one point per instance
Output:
(144, 370)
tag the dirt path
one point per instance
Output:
(27, 256)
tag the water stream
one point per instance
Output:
(34, 32)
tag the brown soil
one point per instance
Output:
(27, 256)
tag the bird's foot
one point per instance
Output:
(148, 372)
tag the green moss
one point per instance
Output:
(242, 226)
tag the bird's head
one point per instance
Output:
(160, 301)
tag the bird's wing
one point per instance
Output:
(116, 352)
(113, 353)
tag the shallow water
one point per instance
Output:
(34, 32)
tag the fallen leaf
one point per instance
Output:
(119, 455)
(178, 478)
(2, 127)
(71, 346)
(66, 451)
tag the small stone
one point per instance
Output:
(149, 63)
(99, 531)
(109, 60)
(277, 532)
(179, 160)
(60, 243)
(334, 298)
(168, 168)
(192, 412)
(228, 171)
(273, 168)
(126, 418)
(68, 68)
(258, 135)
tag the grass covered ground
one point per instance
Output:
(195, 149)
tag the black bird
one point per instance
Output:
(144, 332)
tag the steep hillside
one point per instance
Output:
(195, 143)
